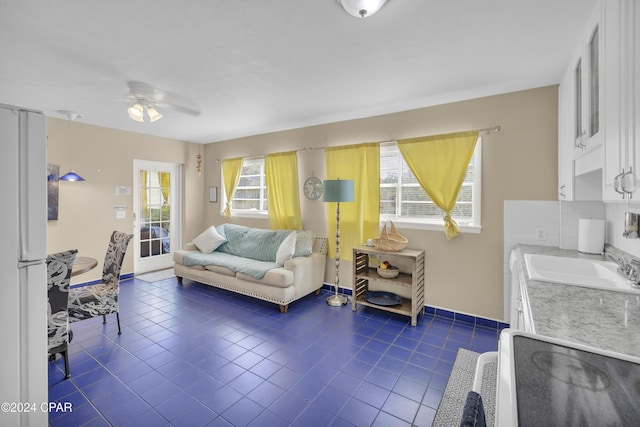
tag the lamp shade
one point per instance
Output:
(136, 112)
(337, 190)
(153, 114)
(71, 176)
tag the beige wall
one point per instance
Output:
(519, 163)
(104, 157)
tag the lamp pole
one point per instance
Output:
(337, 300)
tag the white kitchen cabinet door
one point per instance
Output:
(614, 163)
(580, 118)
(587, 87)
(633, 90)
(622, 59)
(565, 139)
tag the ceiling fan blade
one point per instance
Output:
(145, 92)
(181, 108)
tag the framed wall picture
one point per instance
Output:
(53, 172)
(213, 194)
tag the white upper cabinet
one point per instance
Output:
(565, 139)
(634, 89)
(586, 82)
(580, 118)
(621, 19)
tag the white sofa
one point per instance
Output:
(297, 277)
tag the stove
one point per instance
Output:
(549, 382)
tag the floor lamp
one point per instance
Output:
(337, 190)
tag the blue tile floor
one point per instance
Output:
(193, 355)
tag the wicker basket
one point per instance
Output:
(392, 241)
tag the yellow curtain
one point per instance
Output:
(439, 163)
(281, 174)
(165, 182)
(231, 169)
(360, 219)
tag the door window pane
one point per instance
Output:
(155, 208)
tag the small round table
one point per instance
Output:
(82, 264)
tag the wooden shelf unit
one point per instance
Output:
(412, 280)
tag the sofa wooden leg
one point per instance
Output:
(318, 291)
(284, 308)
(179, 279)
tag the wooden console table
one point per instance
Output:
(412, 278)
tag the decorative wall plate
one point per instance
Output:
(313, 188)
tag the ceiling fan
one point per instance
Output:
(149, 98)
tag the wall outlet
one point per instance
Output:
(541, 234)
(121, 214)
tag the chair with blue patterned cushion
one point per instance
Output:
(86, 302)
(59, 267)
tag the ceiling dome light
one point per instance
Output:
(361, 8)
(153, 114)
(136, 113)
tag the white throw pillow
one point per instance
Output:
(209, 240)
(286, 249)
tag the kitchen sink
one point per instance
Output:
(577, 271)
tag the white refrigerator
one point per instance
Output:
(23, 294)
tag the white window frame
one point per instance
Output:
(253, 213)
(473, 225)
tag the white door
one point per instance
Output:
(156, 214)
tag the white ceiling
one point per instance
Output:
(256, 66)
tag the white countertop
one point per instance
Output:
(608, 320)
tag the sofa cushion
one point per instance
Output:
(220, 270)
(304, 243)
(235, 263)
(253, 243)
(196, 267)
(286, 249)
(209, 240)
(179, 254)
(278, 277)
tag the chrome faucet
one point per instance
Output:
(629, 270)
(633, 276)
(622, 267)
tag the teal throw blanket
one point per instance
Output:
(250, 267)
(256, 243)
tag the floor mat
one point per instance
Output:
(156, 276)
(449, 412)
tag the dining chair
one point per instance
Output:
(86, 302)
(59, 267)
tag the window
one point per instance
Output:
(403, 200)
(251, 195)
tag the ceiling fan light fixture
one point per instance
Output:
(136, 112)
(146, 97)
(361, 8)
(153, 114)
